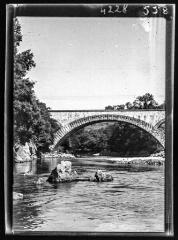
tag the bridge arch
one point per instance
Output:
(159, 123)
(71, 127)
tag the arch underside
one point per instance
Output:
(74, 126)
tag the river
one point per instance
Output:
(133, 202)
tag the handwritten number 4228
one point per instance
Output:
(114, 9)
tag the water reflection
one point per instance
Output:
(36, 166)
(135, 198)
(20, 168)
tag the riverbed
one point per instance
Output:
(133, 202)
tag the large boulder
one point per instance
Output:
(17, 157)
(22, 153)
(64, 167)
(62, 173)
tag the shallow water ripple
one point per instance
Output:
(133, 202)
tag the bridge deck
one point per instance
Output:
(103, 110)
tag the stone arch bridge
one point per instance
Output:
(72, 120)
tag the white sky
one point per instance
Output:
(89, 63)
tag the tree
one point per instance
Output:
(44, 128)
(137, 104)
(147, 101)
(24, 98)
(32, 121)
(129, 105)
(109, 108)
(118, 107)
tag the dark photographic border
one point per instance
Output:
(85, 10)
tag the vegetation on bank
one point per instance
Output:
(32, 121)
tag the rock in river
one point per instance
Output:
(17, 196)
(101, 176)
(64, 173)
(40, 181)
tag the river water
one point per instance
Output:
(133, 202)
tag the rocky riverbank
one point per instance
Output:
(28, 152)
(58, 155)
(157, 161)
(24, 153)
(151, 160)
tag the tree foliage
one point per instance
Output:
(145, 101)
(32, 121)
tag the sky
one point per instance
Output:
(90, 63)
